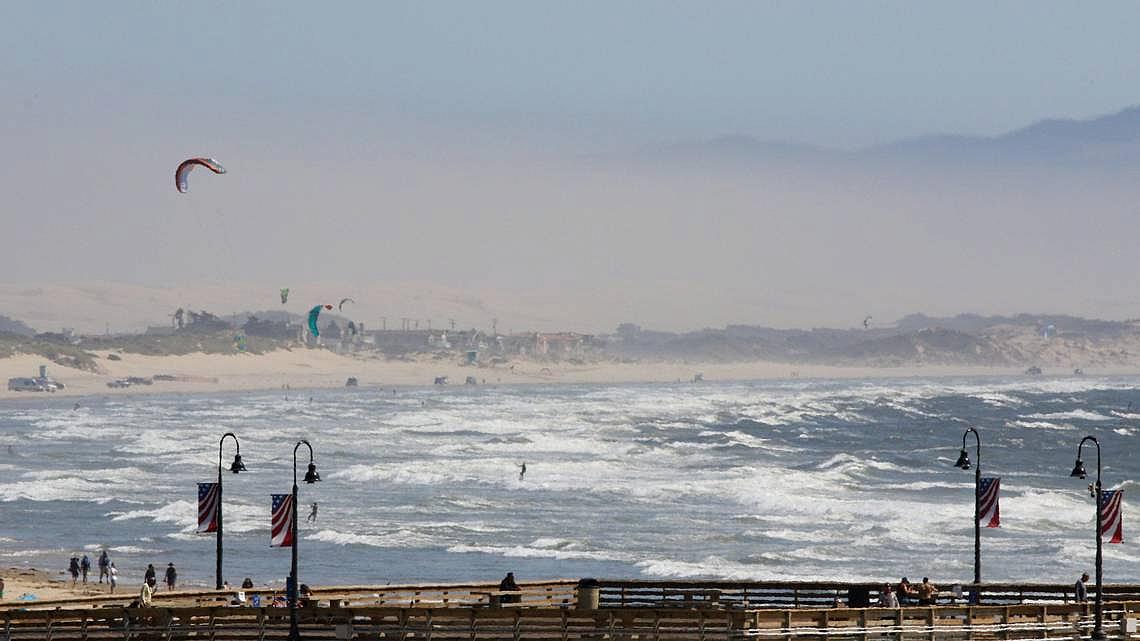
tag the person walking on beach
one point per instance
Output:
(171, 576)
(146, 594)
(522, 471)
(312, 518)
(104, 565)
(113, 576)
(84, 568)
(73, 568)
(149, 576)
(927, 592)
(1082, 593)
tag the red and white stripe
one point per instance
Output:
(209, 502)
(988, 513)
(281, 523)
(1112, 515)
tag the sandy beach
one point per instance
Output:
(313, 369)
(49, 585)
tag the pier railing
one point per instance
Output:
(612, 593)
(551, 594)
(824, 594)
(508, 623)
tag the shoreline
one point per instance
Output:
(321, 369)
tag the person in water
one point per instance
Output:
(522, 471)
(312, 513)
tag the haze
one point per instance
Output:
(549, 165)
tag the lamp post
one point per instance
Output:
(964, 463)
(311, 477)
(235, 467)
(1079, 472)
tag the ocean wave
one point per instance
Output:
(522, 551)
(402, 538)
(1041, 425)
(1071, 415)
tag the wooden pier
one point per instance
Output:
(587, 610)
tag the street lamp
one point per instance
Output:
(235, 467)
(964, 463)
(1079, 472)
(311, 477)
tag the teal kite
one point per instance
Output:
(313, 314)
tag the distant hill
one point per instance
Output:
(13, 326)
(1109, 139)
(1022, 340)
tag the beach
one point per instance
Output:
(49, 585)
(322, 369)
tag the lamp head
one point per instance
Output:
(963, 460)
(311, 475)
(237, 465)
(1079, 470)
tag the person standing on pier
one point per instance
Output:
(927, 592)
(508, 585)
(905, 593)
(1082, 593)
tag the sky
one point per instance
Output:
(451, 144)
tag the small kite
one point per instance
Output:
(183, 171)
(313, 314)
(284, 295)
(340, 308)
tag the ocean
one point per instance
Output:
(785, 480)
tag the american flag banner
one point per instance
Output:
(1112, 515)
(281, 528)
(988, 513)
(209, 502)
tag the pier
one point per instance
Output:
(587, 609)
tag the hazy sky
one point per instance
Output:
(449, 143)
(835, 73)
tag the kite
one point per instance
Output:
(284, 295)
(340, 308)
(183, 171)
(313, 314)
